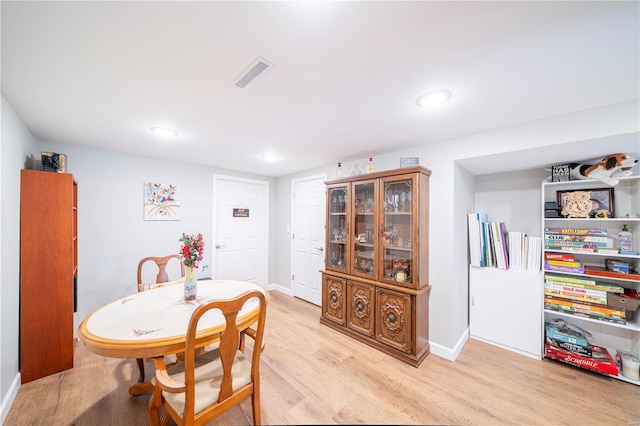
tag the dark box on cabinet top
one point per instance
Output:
(53, 162)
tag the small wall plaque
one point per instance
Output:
(409, 161)
(240, 212)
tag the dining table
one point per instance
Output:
(154, 322)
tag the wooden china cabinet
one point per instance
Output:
(375, 285)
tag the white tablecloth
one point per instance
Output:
(162, 312)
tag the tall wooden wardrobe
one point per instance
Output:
(48, 272)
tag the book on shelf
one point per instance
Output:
(608, 250)
(566, 333)
(560, 256)
(575, 249)
(571, 343)
(548, 267)
(569, 279)
(476, 238)
(496, 253)
(575, 238)
(566, 263)
(609, 288)
(489, 249)
(564, 231)
(501, 245)
(575, 244)
(600, 361)
(575, 293)
(515, 247)
(534, 250)
(585, 309)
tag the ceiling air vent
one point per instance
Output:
(256, 68)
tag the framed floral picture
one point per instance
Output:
(161, 201)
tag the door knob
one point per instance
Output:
(220, 246)
(320, 248)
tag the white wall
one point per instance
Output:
(512, 198)
(17, 150)
(464, 201)
(112, 235)
(581, 135)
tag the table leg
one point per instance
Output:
(140, 388)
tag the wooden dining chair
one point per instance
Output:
(209, 383)
(162, 279)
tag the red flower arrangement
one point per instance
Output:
(191, 250)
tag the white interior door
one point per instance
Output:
(241, 229)
(307, 233)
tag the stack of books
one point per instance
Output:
(491, 246)
(582, 297)
(588, 240)
(562, 263)
(570, 344)
(524, 251)
(487, 242)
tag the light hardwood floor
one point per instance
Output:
(314, 375)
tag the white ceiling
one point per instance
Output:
(344, 84)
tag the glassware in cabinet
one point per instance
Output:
(337, 227)
(397, 230)
(364, 226)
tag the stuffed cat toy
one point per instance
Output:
(607, 170)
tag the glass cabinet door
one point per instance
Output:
(397, 230)
(337, 227)
(364, 228)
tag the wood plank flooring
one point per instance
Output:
(312, 374)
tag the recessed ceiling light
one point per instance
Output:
(164, 132)
(435, 98)
(270, 157)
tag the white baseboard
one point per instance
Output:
(449, 353)
(7, 401)
(537, 356)
(278, 287)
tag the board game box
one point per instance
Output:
(600, 361)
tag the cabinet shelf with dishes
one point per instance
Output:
(607, 316)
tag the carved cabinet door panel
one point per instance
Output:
(393, 319)
(333, 298)
(361, 307)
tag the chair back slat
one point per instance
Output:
(229, 342)
(161, 263)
